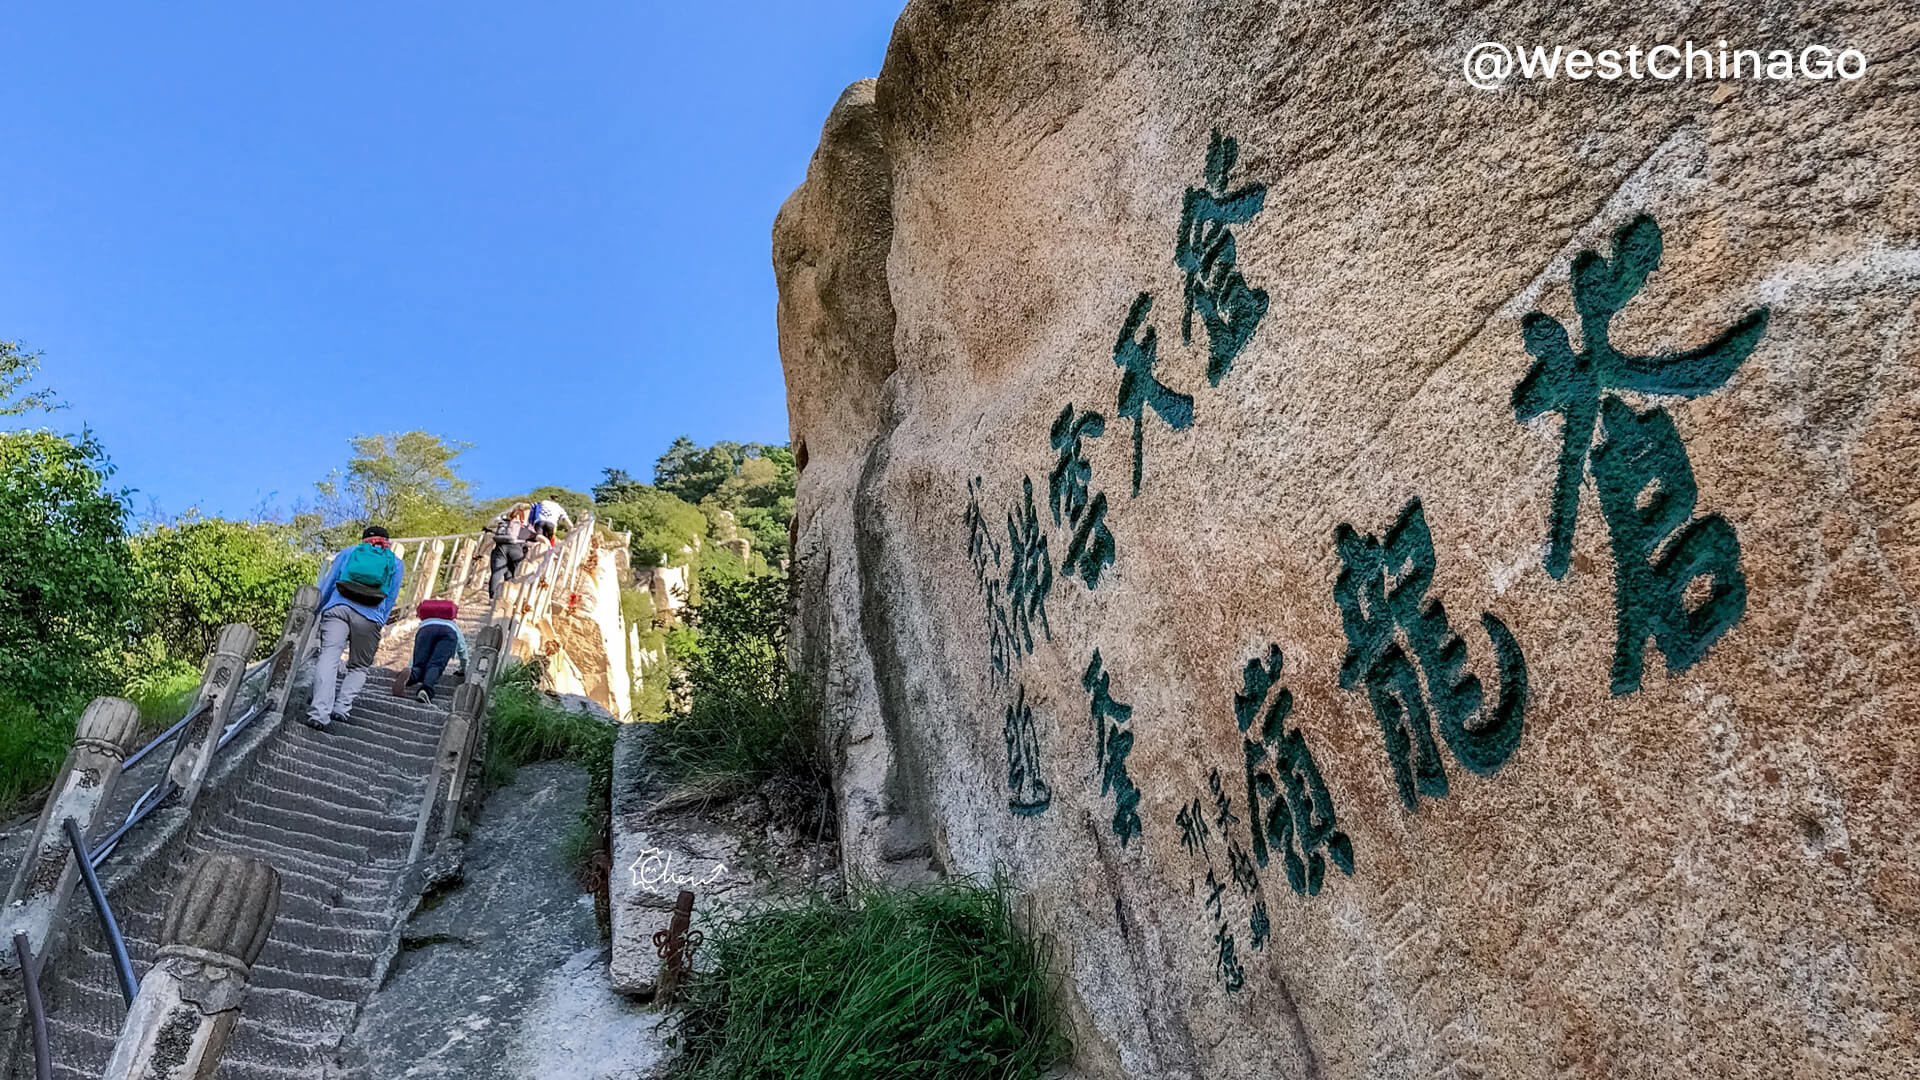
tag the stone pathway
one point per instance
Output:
(503, 977)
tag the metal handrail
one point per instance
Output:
(36, 1009)
(181, 724)
(122, 967)
(150, 800)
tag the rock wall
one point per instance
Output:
(1407, 580)
(584, 636)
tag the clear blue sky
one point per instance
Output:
(242, 233)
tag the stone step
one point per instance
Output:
(328, 936)
(353, 759)
(334, 837)
(405, 715)
(258, 1044)
(304, 802)
(341, 987)
(373, 742)
(243, 833)
(317, 912)
(209, 840)
(78, 1050)
(328, 783)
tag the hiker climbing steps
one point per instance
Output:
(344, 813)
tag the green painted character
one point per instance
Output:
(1030, 577)
(1029, 795)
(1229, 308)
(984, 554)
(1577, 385)
(1113, 741)
(1647, 496)
(1299, 821)
(1258, 925)
(1069, 493)
(1135, 354)
(1227, 966)
(1194, 834)
(1382, 594)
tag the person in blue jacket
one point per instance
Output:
(356, 596)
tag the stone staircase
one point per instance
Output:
(334, 813)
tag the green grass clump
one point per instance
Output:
(525, 727)
(163, 693)
(930, 983)
(32, 747)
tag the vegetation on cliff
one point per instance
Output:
(931, 983)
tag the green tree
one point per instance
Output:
(63, 570)
(196, 576)
(692, 472)
(17, 368)
(406, 481)
(666, 530)
(619, 486)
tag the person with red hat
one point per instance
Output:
(438, 640)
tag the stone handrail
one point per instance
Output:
(50, 869)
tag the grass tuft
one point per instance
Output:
(928, 983)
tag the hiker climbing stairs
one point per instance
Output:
(348, 819)
(334, 813)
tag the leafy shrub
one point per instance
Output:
(198, 575)
(930, 983)
(63, 571)
(32, 747)
(748, 716)
(665, 528)
(163, 691)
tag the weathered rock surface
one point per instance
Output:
(501, 978)
(1668, 829)
(732, 854)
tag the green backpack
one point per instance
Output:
(367, 575)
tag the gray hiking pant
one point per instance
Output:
(342, 628)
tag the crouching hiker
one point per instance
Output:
(510, 535)
(356, 596)
(438, 640)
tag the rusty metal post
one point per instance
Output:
(218, 687)
(47, 871)
(676, 946)
(216, 924)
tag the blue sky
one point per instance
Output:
(242, 233)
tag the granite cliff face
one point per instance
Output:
(1408, 580)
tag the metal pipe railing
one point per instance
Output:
(36, 1009)
(150, 800)
(109, 926)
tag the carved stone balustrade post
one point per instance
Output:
(215, 926)
(428, 572)
(47, 871)
(462, 566)
(294, 642)
(218, 688)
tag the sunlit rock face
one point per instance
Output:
(1406, 580)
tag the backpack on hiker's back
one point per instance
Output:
(366, 577)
